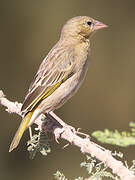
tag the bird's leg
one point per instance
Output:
(63, 124)
(53, 124)
(56, 123)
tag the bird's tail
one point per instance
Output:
(20, 131)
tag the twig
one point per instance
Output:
(61, 130)
(12, 107)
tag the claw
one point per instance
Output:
(57, 133)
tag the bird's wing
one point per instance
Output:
(56, 68)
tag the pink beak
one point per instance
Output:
(99, 25)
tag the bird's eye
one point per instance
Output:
(89, 23)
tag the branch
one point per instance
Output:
(61, 130)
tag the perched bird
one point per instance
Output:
(60, 74)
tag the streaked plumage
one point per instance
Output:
(61, 72)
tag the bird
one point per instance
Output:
(60, 74)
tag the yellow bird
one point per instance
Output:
(60, 74)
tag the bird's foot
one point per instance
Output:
(58, 132)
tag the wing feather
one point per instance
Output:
(54, 70)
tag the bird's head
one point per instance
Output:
(81, 27)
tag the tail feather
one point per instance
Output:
(20, 131)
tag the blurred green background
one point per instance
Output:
(28, 30)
